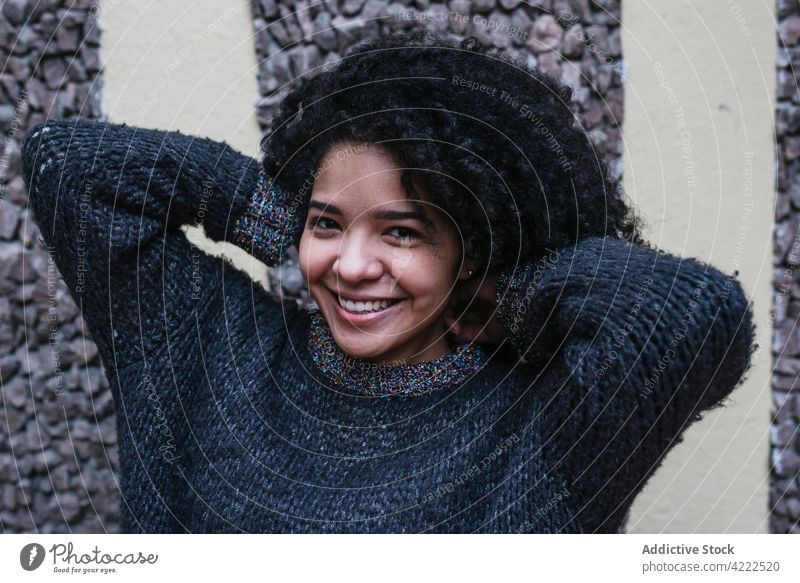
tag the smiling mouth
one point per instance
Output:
(365, 307)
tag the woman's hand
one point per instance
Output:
(471, 313)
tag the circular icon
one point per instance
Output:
(31, 556)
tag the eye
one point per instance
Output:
(322, 224)
(403, 233)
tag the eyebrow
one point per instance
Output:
(384, 215)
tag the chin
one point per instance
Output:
(359, 354)
(363, 350)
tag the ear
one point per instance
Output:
(469, 269)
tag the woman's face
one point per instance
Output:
(380, 271)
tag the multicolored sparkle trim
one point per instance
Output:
(510, 295)
(384, 380)
(515, 294)
(269, 225)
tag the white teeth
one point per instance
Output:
(364, 306)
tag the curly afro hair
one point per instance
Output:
(488, 140)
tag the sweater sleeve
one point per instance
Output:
(628, 346)
(109, 201)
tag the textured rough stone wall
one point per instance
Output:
(58, 452)
(577, 41)
(785, 437)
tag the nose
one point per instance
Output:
(355, 261)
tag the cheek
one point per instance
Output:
(429, 274)
(316, 257)
(308, 258)
(302, 253)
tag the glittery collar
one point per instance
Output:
(378, 380)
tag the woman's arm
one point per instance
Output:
(109, 200)
(627, 347)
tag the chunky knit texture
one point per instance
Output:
(226, 424)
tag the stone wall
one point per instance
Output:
(58, 453)
(785, 438)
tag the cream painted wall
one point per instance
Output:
(190, 65)
(186, 65)
(710, 65)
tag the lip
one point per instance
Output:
(365, 318)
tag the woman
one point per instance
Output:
(495, 349)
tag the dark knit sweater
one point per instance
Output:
(225, 424)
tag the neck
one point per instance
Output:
(420, 377)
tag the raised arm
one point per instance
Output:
(627, 346)
(109, 200)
